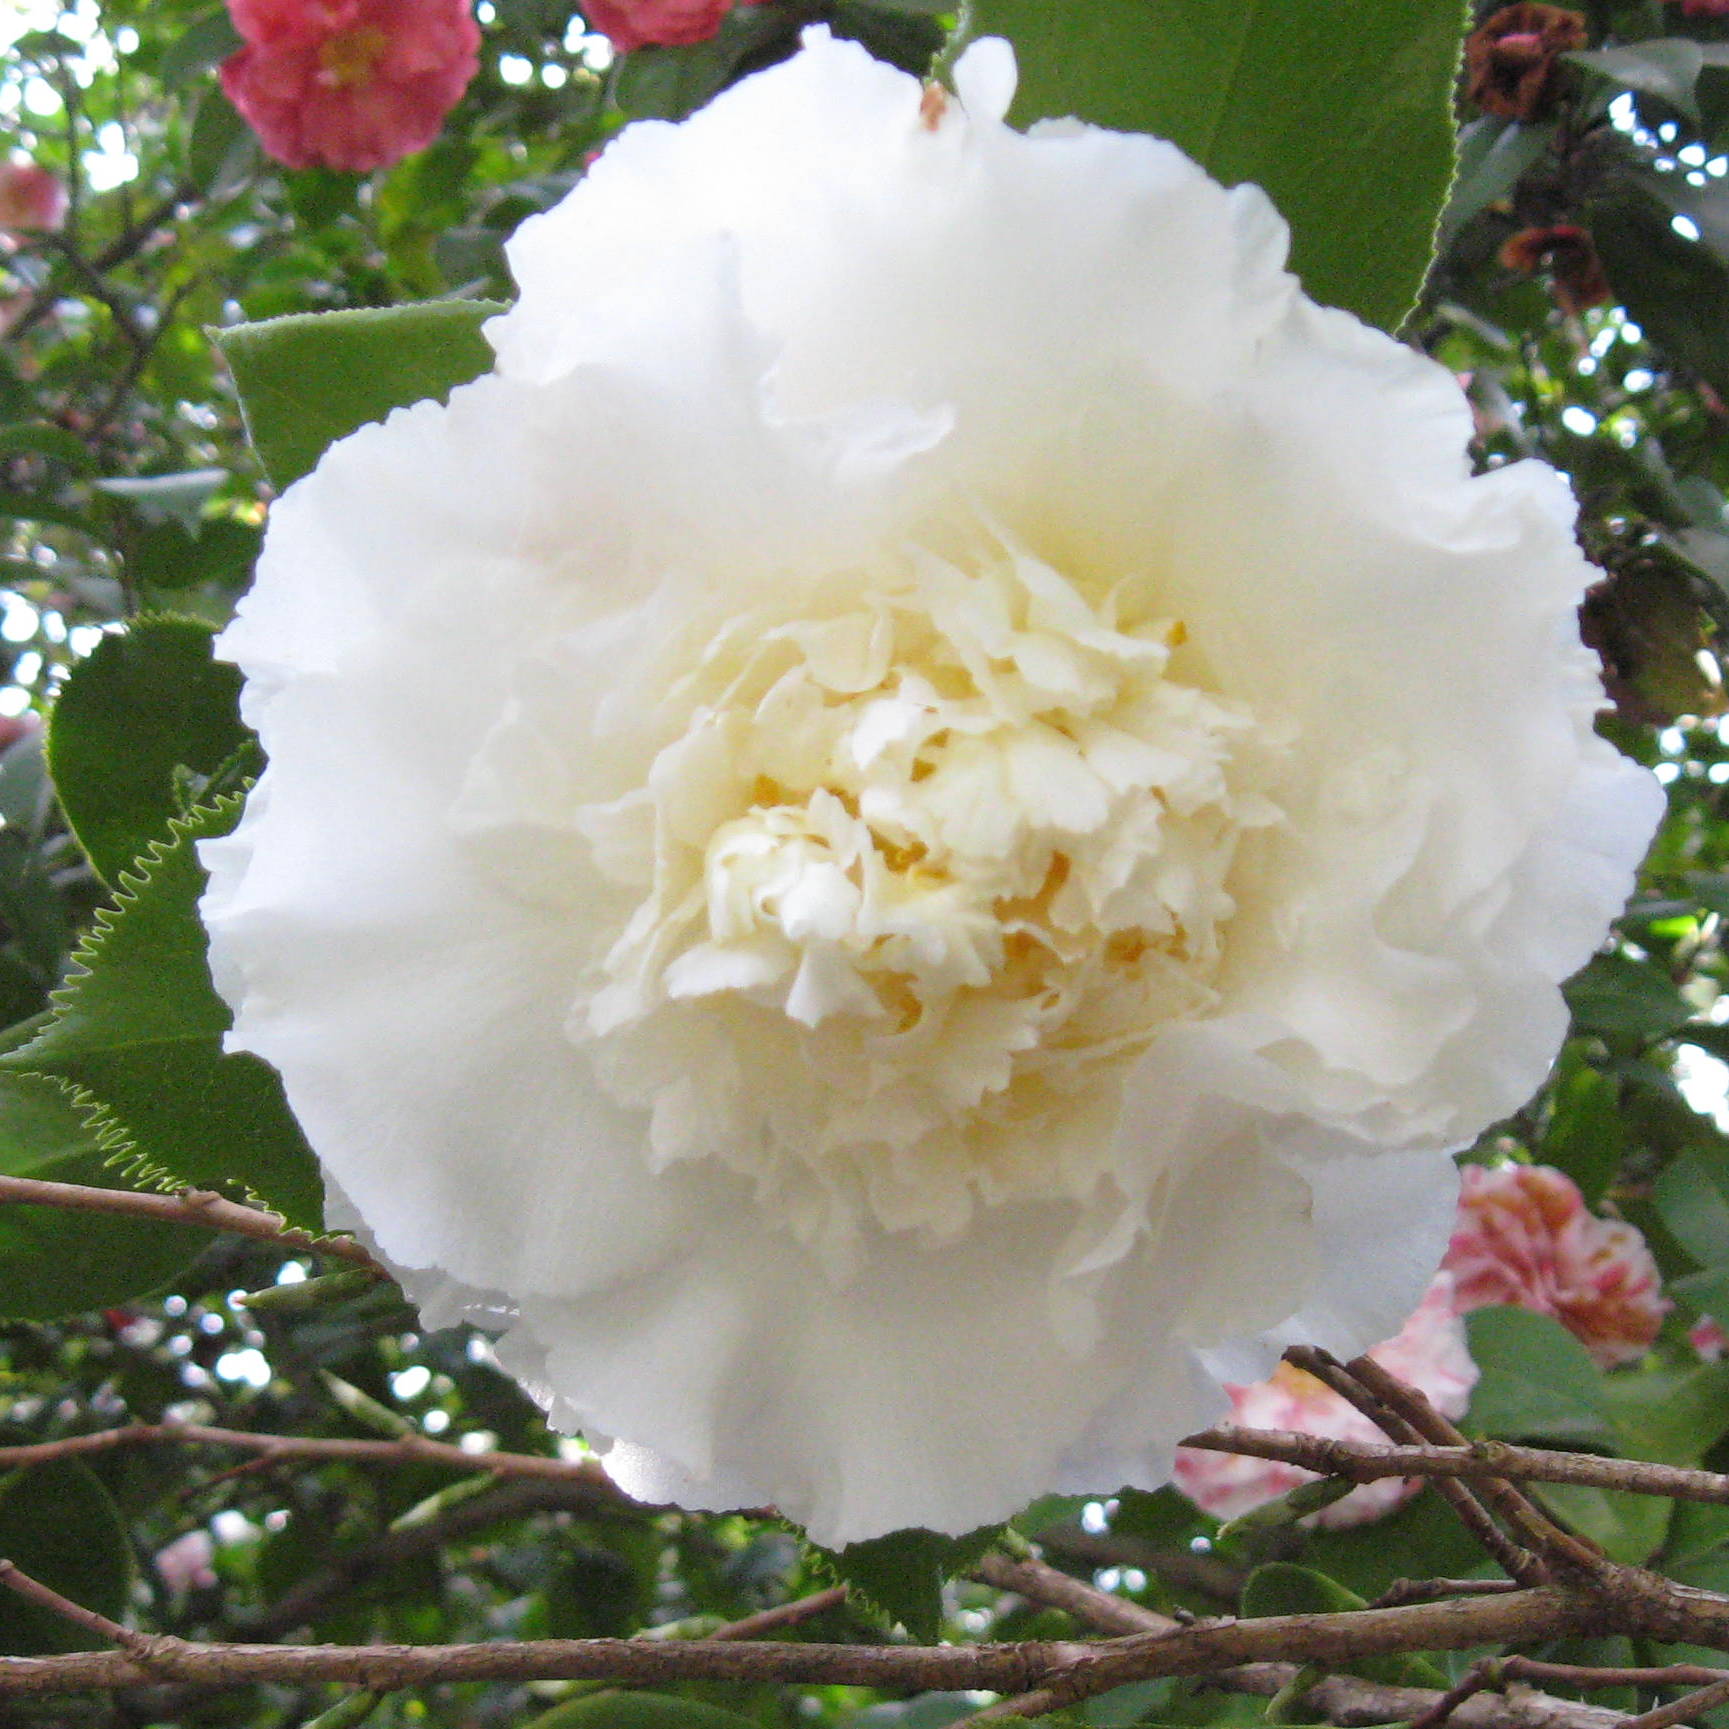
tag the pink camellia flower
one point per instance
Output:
(31, 197)
(1525, 1237)
(632, 24)
(1429, 1352)
(1705, 8)
(1707, 1337)
(349, 84)
(185, 1564)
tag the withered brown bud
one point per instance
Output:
(1512, 59)
(1569, 254)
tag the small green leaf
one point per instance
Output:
(143, 705)
(1666, 67)
(138, 1032)
(197, 48)
(1537, 1379)
(167, 497)
(1493, 155)
(1282, 1588)
(43, 438)
(1618, 995)
(1586, 1136)
(220, 148)
(637, 1711)
(168, 556)
(1341, 112)
(312, 378)
(1628, 1528)
(54, 1262)
(58, 1524)
(1675, 288)
(902, 1575)
(1692, 1199)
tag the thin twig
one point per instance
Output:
(1694, 1705)
(186, 1207)
(1512, 1558)
(783, 1615)
(1365, 1462)
(1587, 1676)
(1427, 1590)
(1522, 1513)
(142, 1647)
(1482, 1677)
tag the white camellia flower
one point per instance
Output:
(907, 839)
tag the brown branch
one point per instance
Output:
(408, 1450)
(20, 1583)
(1706, 1699)
(1640, 1603)
(1512, 1558)
(187, 1207)
(1551, 1542)
(1346, 1700)
(1365, 1462)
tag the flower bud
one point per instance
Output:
(633, 24)
(32, 198)
(1512, 60)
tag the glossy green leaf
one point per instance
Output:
(902, 1575)
(1537, 1380)
(59, 1525)
(1666, 67)
(167, 497)
(1283, 1588)
(1628, 1528)
(1675, 288)
(1621, 996)
(1692, 1199)
(198, 49)
(637, 1711)
(138, 1032)
(312, 378)
(1341, 111)
(142, 709)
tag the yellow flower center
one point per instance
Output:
(350, 57)
(932, 865)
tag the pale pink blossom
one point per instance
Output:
(349, 84)
(32, 198)
(631, 24)
(186, 1562)
(1525, 1237)
(1707, 1337)
(1429, 1352)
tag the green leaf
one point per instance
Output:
(1537, 1379)
(1618, 995)
(312, 378)
(1628, 1528)
(638, 1711)
(138, 1032)
(1666, 67)
(167, 497)
(54, 1262)
(31, 909)
(1586, 1136)
(1341, 112)
(1675, 1416)
(58, 1524)
(1692, 1200)
(43, 438)
(902, 1575)
(1493, 155)
(1676, 289)
(141, 708)
(220, 148)
(169, 556)
(1282, 1588)
(198, 48)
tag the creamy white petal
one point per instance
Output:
(914, 833)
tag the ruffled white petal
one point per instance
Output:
(911, 836)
